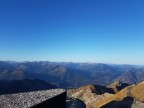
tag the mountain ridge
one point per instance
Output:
(67, 75)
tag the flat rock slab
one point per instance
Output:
(28, 99)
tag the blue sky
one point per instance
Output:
(107, 31)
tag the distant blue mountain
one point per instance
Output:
(68, 74)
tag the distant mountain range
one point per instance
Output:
(70, 75)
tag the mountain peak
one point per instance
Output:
(117, 86)
(117, 83)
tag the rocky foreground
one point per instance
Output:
(28, 99)
(116, 95)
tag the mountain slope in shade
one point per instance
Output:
(131, 96)
(26, 85)
(74, 103)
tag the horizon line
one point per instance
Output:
(70, 62)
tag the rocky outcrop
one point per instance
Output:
(90, 94)
(131, 96)
(117, 86)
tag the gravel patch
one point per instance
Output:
(28, 99)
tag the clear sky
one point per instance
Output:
(106, 31)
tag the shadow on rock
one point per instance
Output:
(125, 103)
(75, 103)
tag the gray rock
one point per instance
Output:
(28, 99)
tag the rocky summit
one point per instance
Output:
(116, 95)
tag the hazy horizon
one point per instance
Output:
(109, 63)
(98, 31)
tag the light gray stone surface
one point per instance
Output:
(28, 99)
